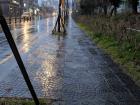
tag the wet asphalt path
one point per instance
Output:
(69, 69)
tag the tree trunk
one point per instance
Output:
(134, 7)
(59, 16)
(114, 10)
(60, 23)
(105, 10)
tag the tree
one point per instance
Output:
(87, 6)
(105, 6)
(134, 5)
(115, 4)
(60, 22)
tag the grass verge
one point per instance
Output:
(19, 101)
(120, 53)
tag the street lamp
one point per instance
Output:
(24, 4)
(35, 12)
(15, 2)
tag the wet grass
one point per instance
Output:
(121, 53)
(19, 101)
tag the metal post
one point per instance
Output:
(14, 49)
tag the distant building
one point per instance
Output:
(10, 7)
(26, 4)
(30, 6)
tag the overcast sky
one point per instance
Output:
(40, 1)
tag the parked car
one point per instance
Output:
(26, 16)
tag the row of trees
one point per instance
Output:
(105, 6)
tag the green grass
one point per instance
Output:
(18, 101)
(122, 54)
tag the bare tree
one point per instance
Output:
(115, 4)
(60, 23)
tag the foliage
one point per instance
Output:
(134, 4)
(87, 6)
(18, 101)
(91, 7)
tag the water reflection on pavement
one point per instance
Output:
(70, 69)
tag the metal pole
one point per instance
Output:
(17, 56)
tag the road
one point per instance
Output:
(33, 39)
(67, 68)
